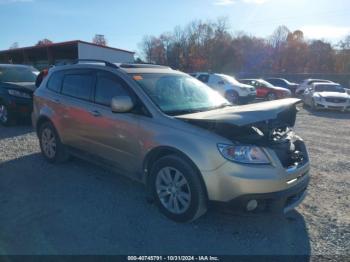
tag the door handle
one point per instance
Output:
(56, 100)
(95, 113)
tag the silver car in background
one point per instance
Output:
(327, 96)
(174, 134)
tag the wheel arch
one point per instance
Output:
(162, 151)
(41, 120)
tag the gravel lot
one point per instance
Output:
(79, 208)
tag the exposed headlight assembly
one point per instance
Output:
(246, 154)
(18, 93)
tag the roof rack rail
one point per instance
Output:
(76, 61)
(143, 65)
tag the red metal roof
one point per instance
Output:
(65, 44)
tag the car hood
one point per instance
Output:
(332, 94)
(282, 111)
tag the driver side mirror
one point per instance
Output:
(221, 82)
(122, 104)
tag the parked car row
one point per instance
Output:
(234, 91)
(244, 90)
(316, 93)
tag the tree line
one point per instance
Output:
(210, 46)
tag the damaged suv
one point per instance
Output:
(176, 135)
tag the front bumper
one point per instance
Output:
(333, 106)
(275, 202)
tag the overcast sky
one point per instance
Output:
(124, 23)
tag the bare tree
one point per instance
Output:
(345, 43)
(14, 45)
(99, 40)
(279, 36)
(44, 42)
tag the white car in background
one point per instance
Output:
(234, 91)
(327, 96)
(307, 83)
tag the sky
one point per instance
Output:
(124, 23)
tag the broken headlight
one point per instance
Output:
(243, 154)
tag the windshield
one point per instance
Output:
(18, 74)
(265, 83)
(330, 88)
(230, 79)
(179, 94)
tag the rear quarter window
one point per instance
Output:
(55, 82)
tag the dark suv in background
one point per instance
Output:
(283, 83)
(17, 84)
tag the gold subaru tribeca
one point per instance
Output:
(174, 134)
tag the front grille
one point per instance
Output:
(335, 100)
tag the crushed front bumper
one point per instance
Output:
(274, 187)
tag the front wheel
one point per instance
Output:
(177, 189)
(313, 105)
(5, 116)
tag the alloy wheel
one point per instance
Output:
(173, 190)
(48, 142)
(3, 114)
(271, 97)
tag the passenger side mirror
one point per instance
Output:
(122, 104)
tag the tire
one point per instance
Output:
(232, 97)
(313, 105)
(6, 119)
(271, 97)
(50, 144)
(189, 198)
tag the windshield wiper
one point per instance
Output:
(197, 110)
(220, 106)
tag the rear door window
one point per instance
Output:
(78, 85)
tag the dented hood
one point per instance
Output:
(275, 113)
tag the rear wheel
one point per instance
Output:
(177, 189)
(271, 96)
(50, 144)
(232, 96)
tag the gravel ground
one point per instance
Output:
(79, 208)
